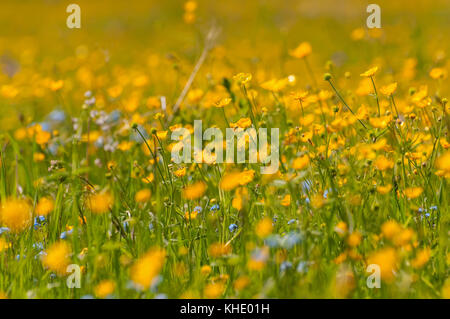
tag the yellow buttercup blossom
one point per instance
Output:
(148, 267)
(301, 51)
(194, 191)
(370, 72)
(389, 89)
(387, 260)
(143, 195)
(57, 257)
(382, 163)
(104, 288)
(286, 201)
(44, 206)
(354, 239)
(219, 249)
(16, 215)
(300, 162)
(180, 172)
(422, 258)
(214, 290)
(413, 192)
(384, 189)
(4, 244)
(390, 229)
(242, 78)
(100, 203)
(190, 216)
(264, 227)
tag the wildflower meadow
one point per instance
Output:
(224, 149)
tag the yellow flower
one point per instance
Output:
(242, 123)
(194, 191)
(4, 244)
(390, 229)
(304, 49)
(57, 257)
(148, 267)
(286, 201)
(56, 85)
(100, 203)
(205, 270)
(341, 228)
(38, 157)
(389, 89)
(180, 172)
(382, 163)
(240, 199)
(241, 282)
(404, 237)
(44, 206)
(446, 289)
(223, 102)
(300, 162)
(214, 290)
(143, 195)
(413, 192)
(354, 239)
(242, 78)
(387, 260)
(104, 288)
(422, 258)
(384, 189)
(16, 215)
(275, 85)
(125, 145)
(230, 180)
(219, 249)
(190, 216)
(358, 34)
(42, 137)
(380, 122)
(443, 165)
(370, 72)
(438, 73)
(264, 227)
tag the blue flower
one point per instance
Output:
(433, 207)
(290, 240)
(233, 227)
(57, 116)
(292, 221)
(302, 267)
(214, 207)
(4, 230)
(150, 226)
(198, 209)
(285, 265)
(64, 234)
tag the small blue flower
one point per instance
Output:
(433, 207)
(150, 226)
(198, 209)
(57, 116)
(161, 296)
(292, 221)
(4, 230)
(64, 234)
(285, 265)
(302, 267)
(214, 207)
(233, 227)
